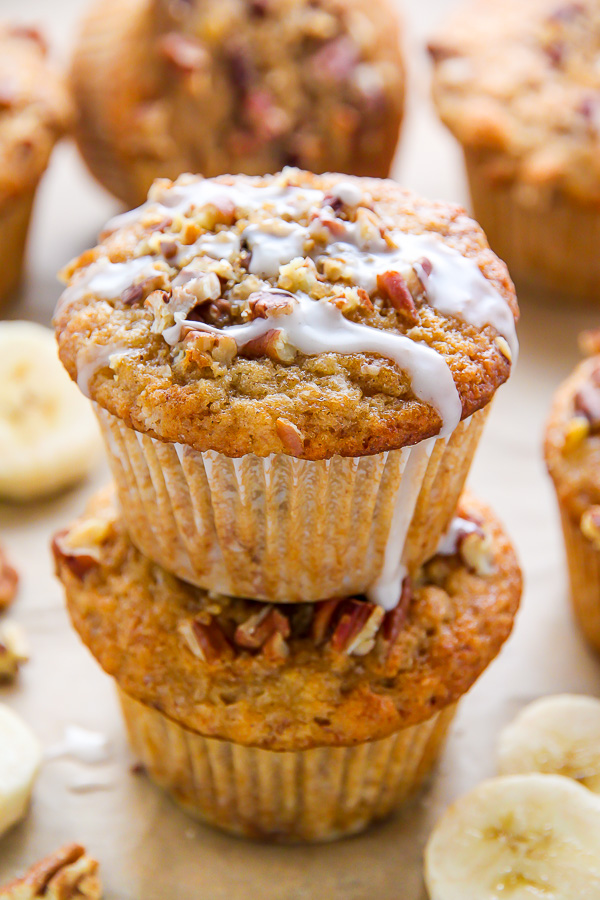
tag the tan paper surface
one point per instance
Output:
(147, 848)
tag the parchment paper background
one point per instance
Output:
(148, 849)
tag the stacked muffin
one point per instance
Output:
(291, 374)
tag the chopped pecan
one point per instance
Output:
(67, 874)
(357, 627)
(272, 344)
(393, 287)
(207, 641)
(576, 431)
(275, 648)
(185, 53)
(590, 525)
(13, 650)
(335, 60)
(204, 347)
(268, 120)
(477, 552)
(256, 630)
(9, 581)
(395, 619)
(270, 304)
(324, 613)
(80, 546)
(587, 400)
(290, 436)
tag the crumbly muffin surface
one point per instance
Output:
(34, 109)
(295, 313)
(236, 86)
(518, 83)
(333, 673)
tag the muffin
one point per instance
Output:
(517, 82)
(572, 449)
(291, 374)
(34, 113)
(236, 86)
(289, 722)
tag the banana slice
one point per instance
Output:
(557, 735)
(49, 438)
(20, 757)
(519, 836)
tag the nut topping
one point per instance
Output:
(270, 304)
(354, 624)
(206, 641)
(272, 344)
(590, 525)
(587, 400)
(9, 581)
(291, 437)
(183, 52)
(256, 630)
(477, 552)
(13, 650)
(68, 874)
(394, 619)
(393, 287)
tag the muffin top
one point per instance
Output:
(332, 673)
(518, 82)
(34, 109)
(278, 82)
(572, 445)
(309, 315)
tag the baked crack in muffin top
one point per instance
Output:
(310, 315)
(519, 82)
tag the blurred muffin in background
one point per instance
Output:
(34, 113)
(168, 86)
(573, 457)
(518, 83)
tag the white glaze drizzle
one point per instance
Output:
(279, 197)
(386, 589)
(457, 529)
(456, 286)
(222, 245)
(107, 279)
(274, 244)
(317, 326)
(95, 357)
(350, 194)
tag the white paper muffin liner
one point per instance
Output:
(286, 529)
(305, 795)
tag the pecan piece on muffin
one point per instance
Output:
(306, 360)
